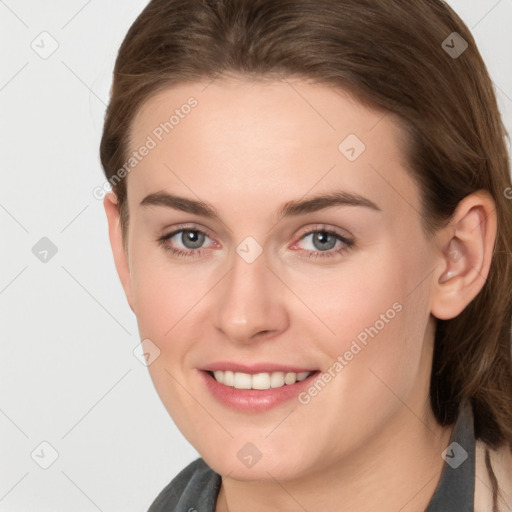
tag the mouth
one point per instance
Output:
(258, 381)
(256, 392)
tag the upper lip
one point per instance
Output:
(254, 368)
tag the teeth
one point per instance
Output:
(290, 378)
(220, 376)
(277, 380)
(240, 380)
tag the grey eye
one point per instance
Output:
(325, 241)
(192, 239)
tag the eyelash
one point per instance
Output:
(196, 253)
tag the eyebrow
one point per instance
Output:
(289, 209)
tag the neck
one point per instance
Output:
(399, 470)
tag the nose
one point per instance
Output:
(251, 302)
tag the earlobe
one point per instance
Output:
(116, 242)
(465, 255)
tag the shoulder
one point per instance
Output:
(501, 463)
(194, 488)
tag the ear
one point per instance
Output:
(465, 249)
(116, 241)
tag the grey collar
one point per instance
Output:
(456, 489)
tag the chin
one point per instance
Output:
(239, 464)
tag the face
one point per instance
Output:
(261, 278)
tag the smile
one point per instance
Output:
(261, 381)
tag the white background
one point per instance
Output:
(68, 373)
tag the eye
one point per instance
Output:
(324, 240)
(191, 239)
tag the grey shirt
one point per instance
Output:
(195, 488)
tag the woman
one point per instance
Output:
(311, 220)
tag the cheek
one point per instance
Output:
(349, 299)
(165, 300)
(163, 290)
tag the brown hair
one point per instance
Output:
(390, 55)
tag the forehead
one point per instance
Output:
(293, 107)
(265, 136)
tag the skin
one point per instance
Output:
(368, 440)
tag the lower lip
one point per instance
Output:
(254, 400)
